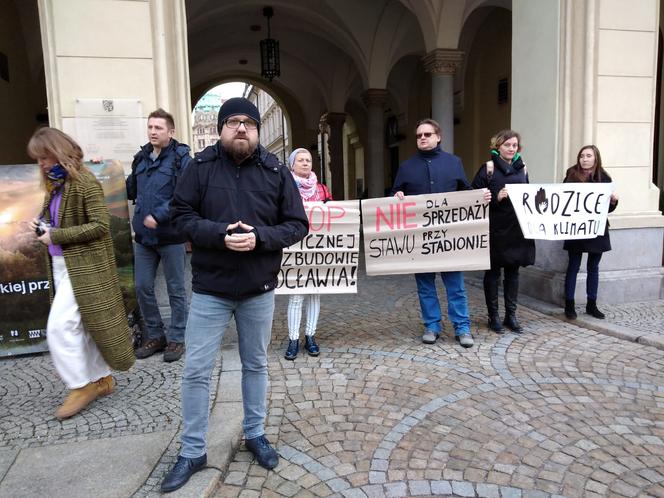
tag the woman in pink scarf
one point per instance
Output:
(310, 190)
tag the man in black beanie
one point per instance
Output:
(239, 207)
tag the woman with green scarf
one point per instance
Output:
(87, 330)
(509, 249)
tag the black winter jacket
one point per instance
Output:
(508, 247)
(215, 192)
(601, 243)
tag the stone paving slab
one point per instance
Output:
(7, 458)
(85, 469)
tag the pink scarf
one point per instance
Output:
(307, 187)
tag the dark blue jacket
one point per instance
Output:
(431, 172)
(151, 185)
(216, 192)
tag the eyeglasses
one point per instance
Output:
(426, 134)
(234, 123)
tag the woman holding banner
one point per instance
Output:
(87, 330)
(310, 190)
(588, 168)
(508, 247)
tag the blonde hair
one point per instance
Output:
(51, 142)
(503, 136)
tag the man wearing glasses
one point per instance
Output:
(432, 170)
(239, 207)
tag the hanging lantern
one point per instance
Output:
(269, 51)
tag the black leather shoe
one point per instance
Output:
(494, 324)
(265, 454)
(511, 323)
(570, 309)
(183, 469)
(293, 348)
(591, 309)
(311, 346)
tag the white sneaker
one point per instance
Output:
(466, 340)
(429, 337)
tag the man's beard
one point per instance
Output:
(240, 149)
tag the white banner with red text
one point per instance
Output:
(426, 233)
(325, 261)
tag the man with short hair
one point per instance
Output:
(432, 170)
(239, 207)
(154, 174)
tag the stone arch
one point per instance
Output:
(293, 112)
(322, 26)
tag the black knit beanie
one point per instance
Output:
(235, 106)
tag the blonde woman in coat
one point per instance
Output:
(87, 330)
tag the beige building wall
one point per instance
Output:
(590, 77)
(626, 65)
(116, 49)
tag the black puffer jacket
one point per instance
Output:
(601, 243)
(215, 192)
(508, 247)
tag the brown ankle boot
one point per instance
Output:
(76, 400)
(105, 386)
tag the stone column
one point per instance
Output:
(171, 64)
(375, 99)
(442, 64)
(335, 122)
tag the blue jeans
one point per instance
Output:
(172, 257)
(592, 277)
(209, 317)
(457, 302)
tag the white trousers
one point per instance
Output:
(74, 353)
(295, 314)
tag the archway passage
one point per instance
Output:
(377, 64)
(22, 83)
(275, 123)
(329, 61)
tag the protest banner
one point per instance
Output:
(325, 261)
(426, 233)
(561, 211)
(24, 302)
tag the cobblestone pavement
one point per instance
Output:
(645, 317)
(147, 401)
(558, 411)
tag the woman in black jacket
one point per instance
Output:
(508, 247)
(588, 168)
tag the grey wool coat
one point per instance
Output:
(84, 234)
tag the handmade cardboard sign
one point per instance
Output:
(325, 261)
(426, 233)
(561, 211)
